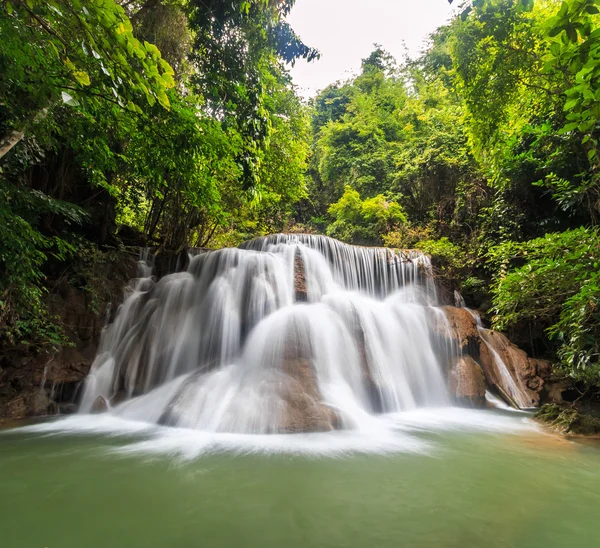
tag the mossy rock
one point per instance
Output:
(568, 420)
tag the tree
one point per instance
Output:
(58, 52)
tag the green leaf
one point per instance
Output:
(568, 127)
(564, 9)
(572, 33)
(82, 77)
(168, 80)
(571, 103)
(555, 49)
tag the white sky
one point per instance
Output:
(344, 31)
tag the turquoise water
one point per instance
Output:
(444, 479)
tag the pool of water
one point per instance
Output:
(440, 479)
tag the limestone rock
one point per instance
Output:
(527, 373)
(99, 406)
(555, 388)
(303, 409)
(486, 347)
(29, 403)
(464, 330)
(300, 279)
(467, 383)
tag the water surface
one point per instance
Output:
(443, 478)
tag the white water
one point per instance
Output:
(211, 349)
(407, 432)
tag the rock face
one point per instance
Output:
(555, 389)
(467, 383)
(528, 373)
(300, 279)
(519, 378)
(33, 384)
(464, 330)
(100, 405)
(303, 410)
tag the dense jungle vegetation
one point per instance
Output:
(174, 123)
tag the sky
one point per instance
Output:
(344, 31)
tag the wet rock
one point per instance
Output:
(303, 409)
(168, 262)
(525, 371)
(467, 383)
(486, 347)
(373, 390)
(555, 389)
(300, 279)
(118, 398)
(67, 409)
(463, 330)
(29, 403)
(99, 406)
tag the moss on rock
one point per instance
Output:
(568, 420)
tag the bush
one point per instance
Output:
(364, 222)
(554, 281)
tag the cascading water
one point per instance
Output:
(290, 333)
(511, 386)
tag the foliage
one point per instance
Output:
(95, 121)
(24, 316)
(363, 221)
(61, 51)
(488, 141)
(568, 420)
(553, 281)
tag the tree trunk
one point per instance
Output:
(9, 141)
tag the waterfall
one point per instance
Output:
(505, 379)
(289, 333)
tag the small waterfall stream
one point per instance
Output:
(506, 381)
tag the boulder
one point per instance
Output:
(467, 383)
(527, 373)
(32, 402)
(463, 330)
(556, 388)
(484, 346)
(100, 405)
(303, 409)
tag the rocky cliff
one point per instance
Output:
(37, 383)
